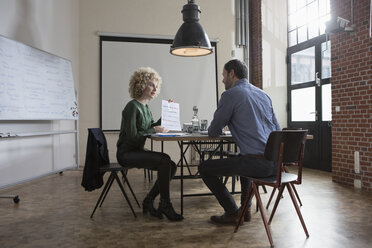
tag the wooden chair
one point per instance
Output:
(97, 160)
(285, 169)
(282, 147)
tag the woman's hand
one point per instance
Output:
(160, 129)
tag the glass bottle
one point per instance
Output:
(195, 120)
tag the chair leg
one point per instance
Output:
(271, 197)
(225, 180)
(259, 201)
(123, 191)
(106, 191)
(264, 189)
(147, 174)
(254, 189)
(130, 188)
(294, 190)
(233, 179)
(258, 190)
(297, 196)
(125, 171)
(281, 189)
(297, 209)
(109, 181)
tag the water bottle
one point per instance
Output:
(195, 120)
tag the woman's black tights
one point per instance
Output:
(157, 161)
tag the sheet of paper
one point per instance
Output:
(170, 115)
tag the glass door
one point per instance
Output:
(309, 98)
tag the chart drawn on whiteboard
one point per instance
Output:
(34, 85)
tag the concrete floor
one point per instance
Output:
(54, 211)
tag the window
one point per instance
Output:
(306, 19)
(303, 104)
(303, 66)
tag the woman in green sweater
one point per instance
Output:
(136, 124)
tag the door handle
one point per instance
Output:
(317, 79)
(315, 113)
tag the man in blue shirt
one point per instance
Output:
(248, 112)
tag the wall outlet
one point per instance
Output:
(357, 184)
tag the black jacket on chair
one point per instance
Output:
(96, 157)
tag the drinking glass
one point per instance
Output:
(203, 125)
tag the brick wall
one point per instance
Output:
(256, 43)
(352, 91)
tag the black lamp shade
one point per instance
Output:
(191, 40)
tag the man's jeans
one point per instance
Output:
(211, 170)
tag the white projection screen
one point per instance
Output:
(189, 81)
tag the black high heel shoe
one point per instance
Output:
(166, 208)
(148, 207)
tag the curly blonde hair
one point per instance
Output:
(140, 79)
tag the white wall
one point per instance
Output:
(51, 26)
(274, 45)
(69, 29)
(162, 17)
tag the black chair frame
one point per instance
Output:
(99, 151)
(114, 168)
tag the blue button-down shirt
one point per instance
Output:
(248, 112)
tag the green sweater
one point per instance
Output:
(136, 123)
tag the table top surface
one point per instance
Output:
(196, 137)
(188, 137)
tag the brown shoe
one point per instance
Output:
(247, 214)
(226, 218)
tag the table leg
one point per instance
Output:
(182, 155)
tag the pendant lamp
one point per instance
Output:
(191, 40)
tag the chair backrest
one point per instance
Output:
(100, 139)
(291, 128)
(292, 140)
(286, 147)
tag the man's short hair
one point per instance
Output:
(239, 67)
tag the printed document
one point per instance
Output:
(170, 115)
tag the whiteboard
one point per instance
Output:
(35, 85)
(189, 81)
